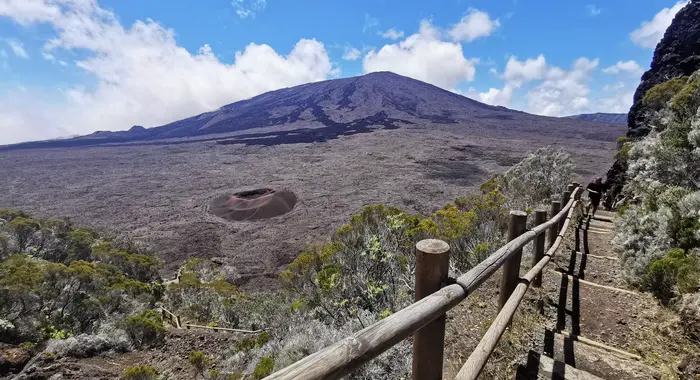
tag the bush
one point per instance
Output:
(246, 344)
(540, 177)
(677, 270)
(365, 266)
(199, 361)
(685, 103)
(83, 346)
(23, 229)
(658, 96)
(264, 367)
(624, 151)
(145, 329)
(140, 372)
(263, 338)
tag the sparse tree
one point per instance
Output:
(23, 229)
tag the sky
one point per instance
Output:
(72, 67)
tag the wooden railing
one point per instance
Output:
(425, 319)
(176, 322)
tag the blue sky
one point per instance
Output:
(75, 66)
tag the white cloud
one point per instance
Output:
(473, 25)
(392, 34)
(494, 96)
(248, 8)
(593, 10)
(351, 53)
(563, 92)
(559, 91)
(424, 56)
(650, 33)
(615, 98)
(17, 48)
(630, 66)
(142, 76)
(370, 23)
(519, 72)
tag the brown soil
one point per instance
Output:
(617, 316)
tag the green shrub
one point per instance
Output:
(234, 376)
(264, 367)
(80, 244)
(658, 96)
(140, 372)
(263, 338)
(685, 103)
(50, 332)
(8, 215)
(246, 344)
(213, 374)
(145, 329)
(622, 140)
(624, 151)
(199, 361)
(677, 270)
(23, 229)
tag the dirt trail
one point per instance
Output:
(597, 326)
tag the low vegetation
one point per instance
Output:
(59, 281)
(659, 236)
(76, 288)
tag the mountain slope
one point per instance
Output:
(328, 109)
(618, 118)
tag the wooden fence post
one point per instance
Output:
(511, 268)
(538, 252)
(570, 188)
(554, 230)
(432, 266)
(578, 195)
(564, 200)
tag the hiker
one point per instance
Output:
(595, 192)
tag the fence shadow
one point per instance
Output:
(567, 319)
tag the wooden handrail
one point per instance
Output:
(345, 356)
(189, 325)
(477, 360)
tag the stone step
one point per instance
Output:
(594, 360)
(615, 317)
(606, 214)
(543, 367)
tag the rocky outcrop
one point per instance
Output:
(676, 55)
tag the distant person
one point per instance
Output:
(595, 192)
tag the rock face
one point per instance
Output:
(676, 55)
